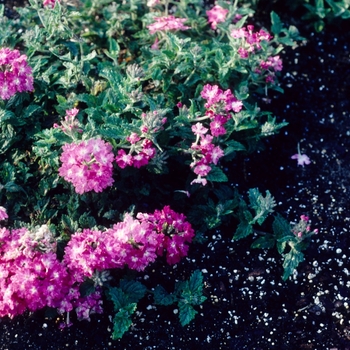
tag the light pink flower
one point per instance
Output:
(3, 214)
(216, 15)
(238, 33)
(152, 3)
(302, 159)
(167, 23)
(199, 129)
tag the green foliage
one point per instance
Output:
(290, 241)
(187, 294)
(254, 212)
(125, 299)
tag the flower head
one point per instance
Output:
(3, 214)
(15, 74)
(167, 23)
(216, 15)
(87, 165)
(302, 159)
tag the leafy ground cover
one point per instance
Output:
(248, 305)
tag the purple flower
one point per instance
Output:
(302, 159)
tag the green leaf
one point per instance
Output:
(162, 297)
(118, 297)
(86, 221)
(6, 115)
(195, 283)
(281, 227)
(266, 241)
(87, 288)
(291, 262)
(69, 223)
(263, 206)
(133, 290)
(243, 230)
(122, 321)
(217, 175)
(186, 313)
(276, 23)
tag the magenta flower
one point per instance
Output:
(3, 214)
(87, 165)
(50, 3)
(174, 231)
(216, 15)
(15, 74)
(167, 23)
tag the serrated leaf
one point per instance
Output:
(118, 297)
(122, 321)
(291, 261)
(86, 288)
(262, 206)
(243, 230)
(195, 283)
(186, 313)
(217, 175)
(6, 115)
(162, 297)
(133, 290)
(69, 223)
(264, 242)
(280, 227)
(30, 110)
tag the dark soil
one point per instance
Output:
(248, 305)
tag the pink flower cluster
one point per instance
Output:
(50, 3)
(87, 165)
(132, 242)
(31, 276)
(167, 23)
(15, 74)
(250, 41)
(216, 15)
(70, 125)
(272, 65)
(204, 153)
(302, 229)
(219, 101)
(140, 152)
(174, 231)
(129, 242)
(141, 148)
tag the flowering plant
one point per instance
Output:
(116, 108)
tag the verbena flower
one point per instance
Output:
(15, 74)
(50, 3)
(302, 159)
(3, 214)
(174, 230)
(167, 23)
(70, 125)
(216, 15)
(30, 278)
(87, 165)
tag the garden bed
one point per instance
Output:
(248, 305)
